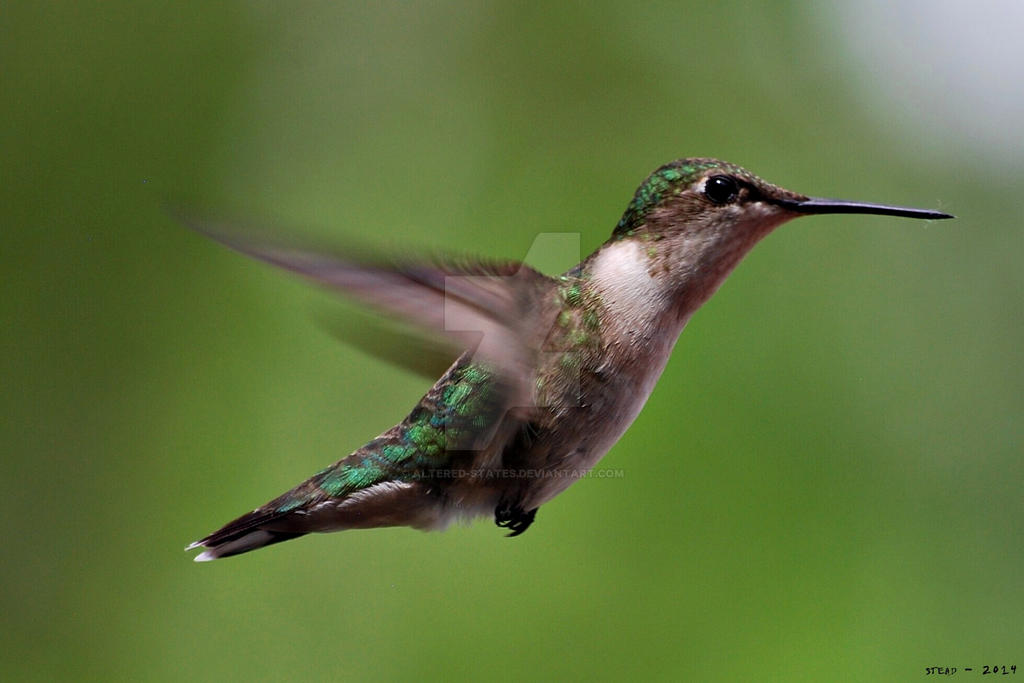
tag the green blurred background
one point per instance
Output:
(826, 484)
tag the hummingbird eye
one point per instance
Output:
(721, 189)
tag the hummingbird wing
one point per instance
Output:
(393, 342)
(494, 308)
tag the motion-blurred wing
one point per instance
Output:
(494, 309)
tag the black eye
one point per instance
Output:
(721, 189)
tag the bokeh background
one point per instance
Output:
(826, 484)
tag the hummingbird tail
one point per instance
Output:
(246, 533)
(258, 538)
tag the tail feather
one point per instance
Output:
(246, 533)
(251, 540)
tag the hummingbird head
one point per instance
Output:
(701, 195)
(696, 218)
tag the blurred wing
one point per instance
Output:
(392, 342)
(493, 308)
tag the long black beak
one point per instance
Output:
(820, 205)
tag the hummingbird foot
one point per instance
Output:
(514, 518)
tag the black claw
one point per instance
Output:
(514, 518)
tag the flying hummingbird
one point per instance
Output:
(552, 370)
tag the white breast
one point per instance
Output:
(631, 296)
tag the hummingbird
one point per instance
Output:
(550, 371)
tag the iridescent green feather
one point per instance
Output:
(449, 418)
(672, 178)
